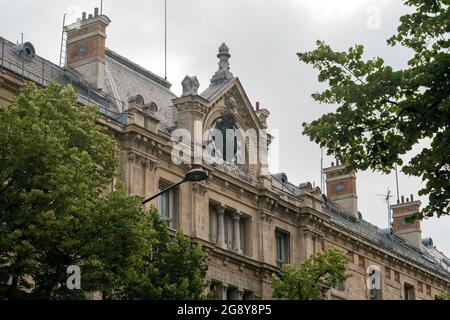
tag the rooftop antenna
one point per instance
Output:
(387, 197)
(396, 183)
(165, 39)
(322, 180)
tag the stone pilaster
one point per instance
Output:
(221, 226)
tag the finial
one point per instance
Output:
(223, 74)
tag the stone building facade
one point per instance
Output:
(248, 222)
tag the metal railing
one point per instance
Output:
(388, 241)
(42, 72)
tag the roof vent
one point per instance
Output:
(25, 51)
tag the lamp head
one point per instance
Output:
(196, 175)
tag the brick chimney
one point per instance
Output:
(341, 188)
(85, 50)
(411, 232)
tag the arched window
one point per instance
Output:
(223, 125)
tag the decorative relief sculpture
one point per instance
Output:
(190, 86)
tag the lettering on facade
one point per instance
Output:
(231, 278)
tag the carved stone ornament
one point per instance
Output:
(190, 86)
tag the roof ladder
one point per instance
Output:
(62, 52)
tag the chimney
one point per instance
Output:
(85, 50)
(262, 114)
(411, 232)
(341, 188)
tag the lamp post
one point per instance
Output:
(194, 175)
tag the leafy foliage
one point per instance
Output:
(383, 113)
(315, 275)
(174, 268)
(57, 208)
(443, 296)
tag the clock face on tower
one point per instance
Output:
(226, 128)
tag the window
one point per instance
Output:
(221, 146)
(248, 295)
(375, 294)
(215, 290)
(397, 276)
(339, 187)
(374, 282)
(212, 224)
(409, 292)
(362, 262)
(233, 233)
(340, 286)
(282, 247)
(351, 256)
(245, 236)
(428, 290)
(420, 286)
(169, 205)
(387, 272)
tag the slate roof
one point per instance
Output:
(362, 228)
(124, 79)
(214, 89)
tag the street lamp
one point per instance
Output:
(194, 175)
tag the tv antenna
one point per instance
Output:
(387, 197)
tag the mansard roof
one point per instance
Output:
(125, 79)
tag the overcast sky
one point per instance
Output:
(264, 37)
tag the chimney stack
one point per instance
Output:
(411, 232)
(86, 47)
(341, 188)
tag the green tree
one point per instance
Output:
(383, 113)
(315, 275)
(443, 296)
(57, 209)
(56, 204)
(175, 268)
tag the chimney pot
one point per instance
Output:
(83, 16)
(257, 105)
(95, 12)
(407, 200)
(412, 198)
(398, 201)
(403, 199)
(90, 16)
(337, 162)
(332, 164)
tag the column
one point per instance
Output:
(223, 291)
(240, 294)
(221, 226)
(236, 233)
